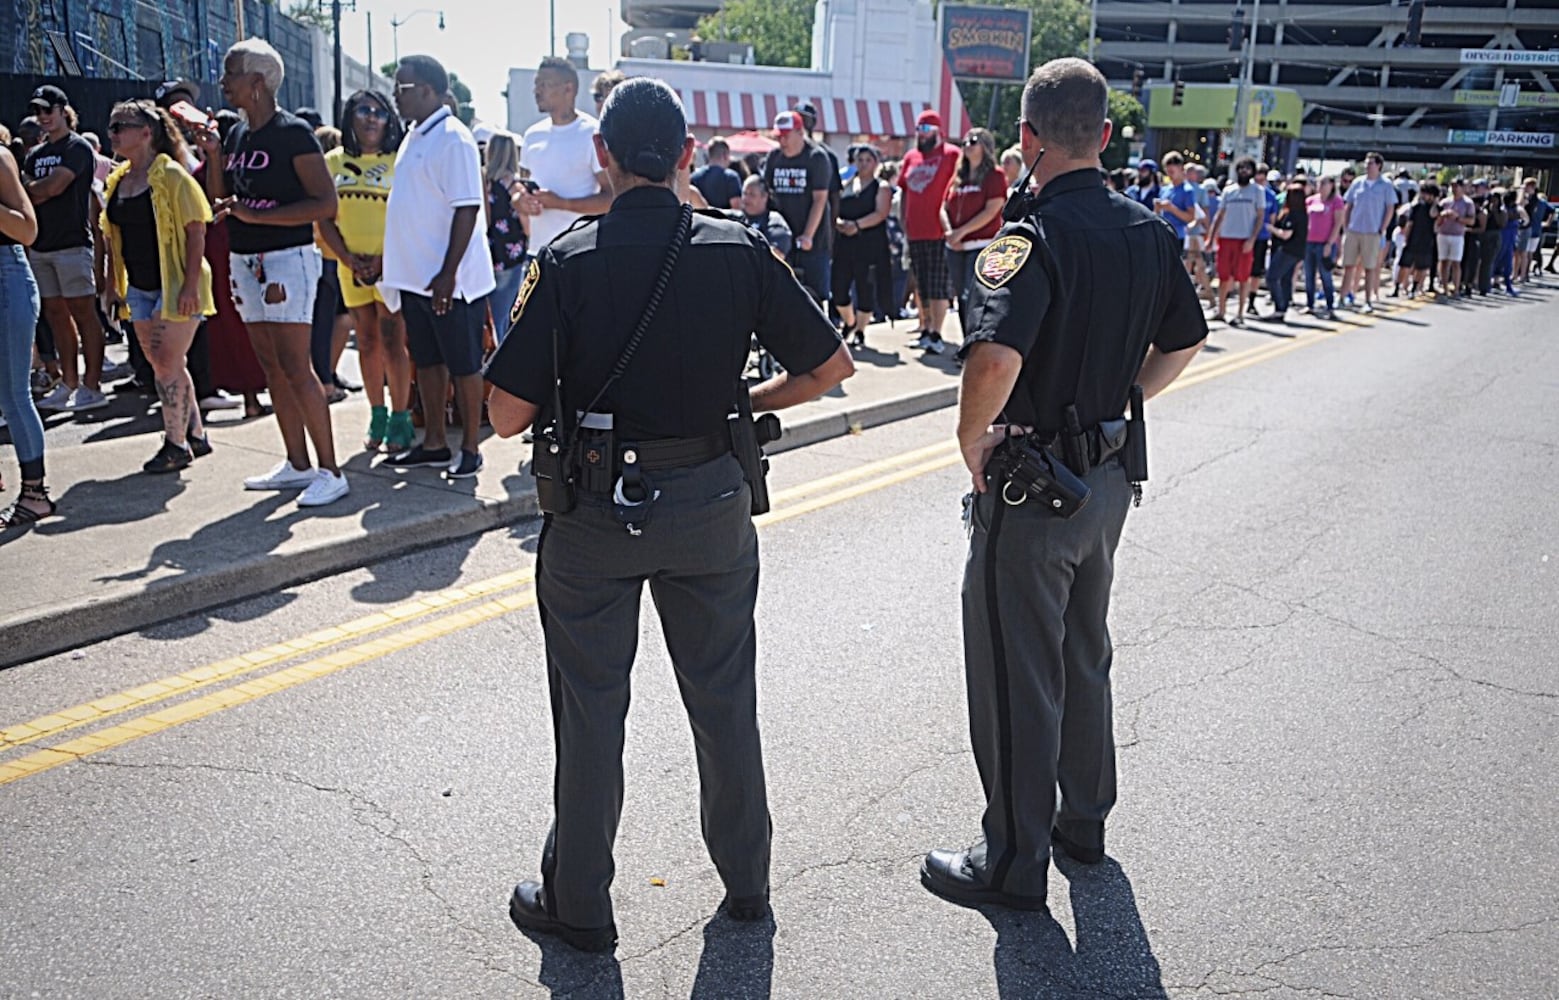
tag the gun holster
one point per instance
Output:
(1030, 471)
(748, 436)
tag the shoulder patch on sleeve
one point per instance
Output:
(998, 262)
(528, 285)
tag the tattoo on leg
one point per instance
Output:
(174, 394)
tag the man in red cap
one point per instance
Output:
(924, 176)
(798, 177)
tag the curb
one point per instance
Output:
(46, 631)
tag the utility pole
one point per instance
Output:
(1093, 25)
(372, 69)
(552, 27)
(1247, 84)
(335, 24)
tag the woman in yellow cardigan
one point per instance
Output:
(155, 221)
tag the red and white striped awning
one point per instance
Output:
(727, 111)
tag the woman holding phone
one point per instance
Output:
(363, 169)
(155, 223)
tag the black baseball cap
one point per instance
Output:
(644, 127)
(48, 96)
(167, 93)
(808, 114)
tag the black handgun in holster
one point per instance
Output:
(1029, 471)
(1134, 457)
(748, 436)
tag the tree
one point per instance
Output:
(779, 31)
(1124, 110)
(1057, 28)
(466, 112)
(310, 12)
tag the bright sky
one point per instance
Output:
(482, 39)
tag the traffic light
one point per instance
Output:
(1237, 31)
(1179, 97)
(1415, 23)
(1136, 83)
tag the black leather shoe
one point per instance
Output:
(950, 875)
(528, 910)
(747, 909)
(1077, 852)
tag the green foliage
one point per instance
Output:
(1124, 110)
(780, 31)
(466, 112)
(310, 12)
(1060, 28)
(388, 69)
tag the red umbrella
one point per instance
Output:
(743, 143)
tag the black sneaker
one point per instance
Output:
(466, 467)
(419, 458)
(169, 458)
(199, 447)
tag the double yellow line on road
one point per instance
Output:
(400, 627)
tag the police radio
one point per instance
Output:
(1016, 208)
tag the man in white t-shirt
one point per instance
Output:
(436, 275)
(559, 154)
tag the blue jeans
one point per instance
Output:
(1317, 262)
(504, 295)
(19, 305)
(1280, 279)
(960, 267)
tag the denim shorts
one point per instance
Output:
(143, 305)
(292, 278)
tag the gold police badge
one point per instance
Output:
(532, 276)
(1001, 260)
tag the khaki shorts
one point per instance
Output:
(64, 274)
(1360, 248)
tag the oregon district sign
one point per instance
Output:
(1510, 57)
(1513, 140)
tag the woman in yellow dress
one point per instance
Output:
(363, 169)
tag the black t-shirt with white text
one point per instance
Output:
(791, 181)
(260, 172)
(62, 220)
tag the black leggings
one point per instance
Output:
(857, 262)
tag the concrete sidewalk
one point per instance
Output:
(128, 550)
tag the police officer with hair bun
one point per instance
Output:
(1053, 353)
(628, 359)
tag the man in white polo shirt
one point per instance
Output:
(559, 153)
(440, 285)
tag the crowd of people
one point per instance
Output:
(239, 250)
(1296, 232)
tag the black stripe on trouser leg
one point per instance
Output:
(549, 863)
(998, 872)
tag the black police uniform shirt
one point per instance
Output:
(62, 220)
(260, 173)
(792, 180)
(1080, 289)
(591, 284)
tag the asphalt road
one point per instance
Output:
(1337, 714)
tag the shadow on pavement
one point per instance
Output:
(737, 962)
(1112, 956)
(577, 975)
(132, 497)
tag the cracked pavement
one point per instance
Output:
(1337, 716)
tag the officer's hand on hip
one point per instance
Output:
(977, 453)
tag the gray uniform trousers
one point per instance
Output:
(699, 554)
(1037, 660)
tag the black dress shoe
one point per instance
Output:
(528, 910)
(950, 875)
(1077, 852)
(747, 909)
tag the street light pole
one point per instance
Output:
(1093, 25)
(1247, 84)
(395, 28)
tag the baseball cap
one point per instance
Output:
(787, 121)
(1209, 185)
(807, 112)
(168, 92)
(644, 127)
(1273, 176)
(929, 117)
(1148, 165)
(48, 96)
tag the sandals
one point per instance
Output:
(400, 433)
(19, 516)
(378, 424)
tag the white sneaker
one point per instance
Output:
(282, 477)
(115, 370)
(220, 400)
(327, 487)
(55, 399)
(85, 399)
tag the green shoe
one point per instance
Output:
(401, 433)
(377, 425)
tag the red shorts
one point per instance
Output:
(1234, 260)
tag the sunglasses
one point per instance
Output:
(925, 129)
(377, 114)
(115, 128)
(971, 141)
(401, 88)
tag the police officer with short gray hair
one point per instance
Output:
(1080, 301)
(630, 335)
